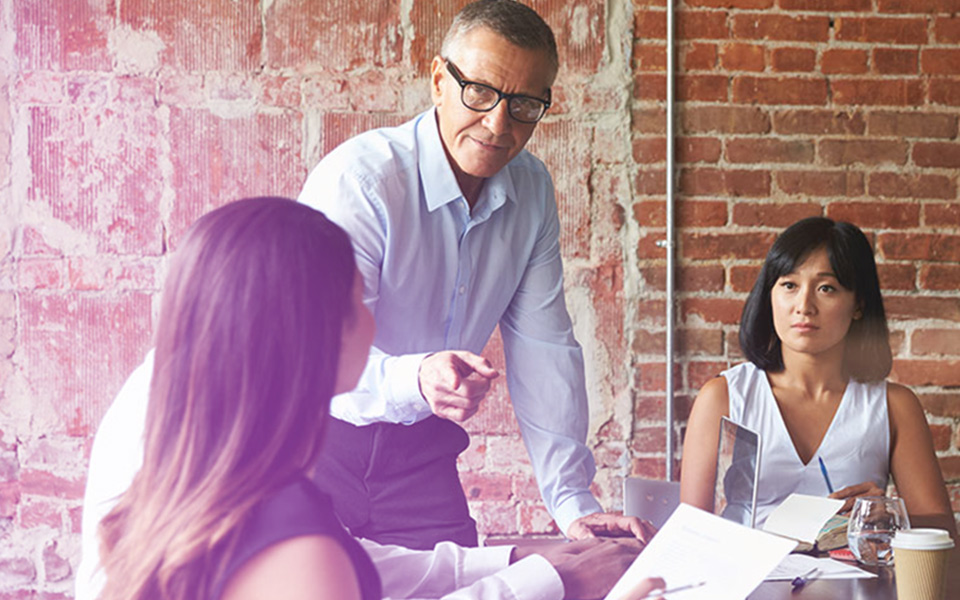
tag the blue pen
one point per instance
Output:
(826, 477)
(802, 580)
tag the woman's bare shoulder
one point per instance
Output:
(900, 393)
(714, 394)
(902, 403)
(310, 567)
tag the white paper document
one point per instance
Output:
(801, 517)
(694, 547)
(796, 565)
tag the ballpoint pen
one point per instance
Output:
(823, 469)
(802, 580)
(680, 588)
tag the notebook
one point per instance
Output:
(738, 473)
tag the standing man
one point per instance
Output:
(455, 230)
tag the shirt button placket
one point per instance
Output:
(459, 297)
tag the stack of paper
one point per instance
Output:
(696, 547)
(796, 565)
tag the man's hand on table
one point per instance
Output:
(453, 383)
(611, 525)
(589, 568)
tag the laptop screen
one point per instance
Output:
(738, 471)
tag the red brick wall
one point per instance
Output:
(122, 121)
(792, 108)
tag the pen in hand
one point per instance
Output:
(673, 590)
(826, 477)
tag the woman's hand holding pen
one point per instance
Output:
(650, 588)
(852, 492)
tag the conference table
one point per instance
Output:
(882, 587)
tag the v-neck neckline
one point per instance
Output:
(786, 431)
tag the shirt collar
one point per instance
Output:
(440, 184)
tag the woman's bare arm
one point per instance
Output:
(698, 470)
(913, 462)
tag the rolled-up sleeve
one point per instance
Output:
(389, 388)
(451, 572)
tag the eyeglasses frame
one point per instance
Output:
(463, 83)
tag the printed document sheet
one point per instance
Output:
(695, 547)
(796, 565)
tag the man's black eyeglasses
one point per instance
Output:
(484, 98)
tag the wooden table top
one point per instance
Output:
(882, 587)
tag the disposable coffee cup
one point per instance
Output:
(920, 557)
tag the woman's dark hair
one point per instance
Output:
(867, 356)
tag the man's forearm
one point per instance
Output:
(387, 392)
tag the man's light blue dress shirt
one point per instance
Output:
(437, 277)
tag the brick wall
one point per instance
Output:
(792, 108)
(121, 121)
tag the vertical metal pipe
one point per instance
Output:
(671, 239)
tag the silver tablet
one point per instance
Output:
(738, 473)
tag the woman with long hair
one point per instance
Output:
(261, 323)
(815, 334)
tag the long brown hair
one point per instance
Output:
(247, 346)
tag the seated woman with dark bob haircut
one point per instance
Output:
(815, 334)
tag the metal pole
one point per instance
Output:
(671, 240)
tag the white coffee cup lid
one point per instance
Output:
(922, 539)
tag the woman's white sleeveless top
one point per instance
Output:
(856, 447)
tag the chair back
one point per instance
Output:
(650, 499)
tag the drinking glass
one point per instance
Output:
(873, 522)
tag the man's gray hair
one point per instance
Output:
(515, 22)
